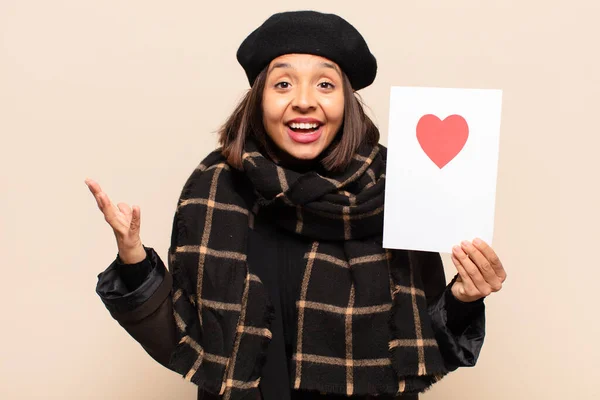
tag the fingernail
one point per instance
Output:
(456, 249)
(465, 243)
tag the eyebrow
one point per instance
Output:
(280, 65)
(287, 65)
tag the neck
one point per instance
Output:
(287, 161)
(295, 164)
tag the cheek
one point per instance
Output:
(273, 110)
(272, 118)
(273, 102)
(335, 111)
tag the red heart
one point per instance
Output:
(442, 140)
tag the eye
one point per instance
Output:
(282, 85)
(326, 85)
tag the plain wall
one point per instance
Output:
(130, 94)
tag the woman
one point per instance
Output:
(278, 286)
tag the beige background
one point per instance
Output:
(130, 93)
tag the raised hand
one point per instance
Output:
(125, 222)
(480, 271)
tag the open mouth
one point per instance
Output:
(305, 132)
(304, 127)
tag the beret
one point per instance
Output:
(309, 32)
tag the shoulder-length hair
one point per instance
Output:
(246, 121)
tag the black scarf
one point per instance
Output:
(362, 311)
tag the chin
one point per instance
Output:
(304, 153)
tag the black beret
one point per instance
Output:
(309, 32)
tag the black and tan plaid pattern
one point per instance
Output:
(363, 326)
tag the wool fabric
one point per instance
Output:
(371, 326)
(309, 32)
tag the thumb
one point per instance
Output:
(134, 227)
(460, 285)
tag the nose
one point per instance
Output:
(304, 99)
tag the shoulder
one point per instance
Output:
(382, 151)
(213, 174)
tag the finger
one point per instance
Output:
(125, 209)
(95, 190)
(108, 208)
(93, 186)
(480, 283)
(463, 276)
(492, 257)
(484, 265)
(135, 219)
(99, 201)
(101, 198)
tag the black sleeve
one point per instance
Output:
(459, 327)
(134, 275)
(461, 315)
(138, 296)
(124, 287)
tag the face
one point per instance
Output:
(303, 104)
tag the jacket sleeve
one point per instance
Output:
(459, 327)
(138, 296)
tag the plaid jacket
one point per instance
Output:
(376, 319)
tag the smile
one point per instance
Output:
(304, 132)
(303, 126)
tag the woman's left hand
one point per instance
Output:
(480, 271)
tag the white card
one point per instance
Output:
(441, 167)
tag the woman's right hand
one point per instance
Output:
(125, 222)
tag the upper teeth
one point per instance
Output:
(303, 125)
